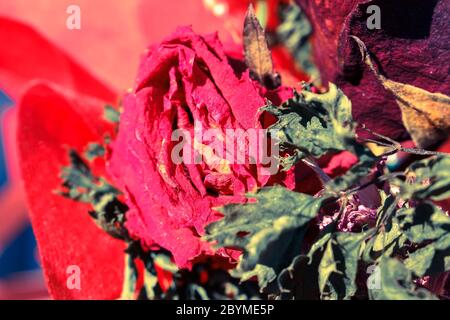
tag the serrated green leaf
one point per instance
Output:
(424, 222)
(396, 283)
(431, 179)
(389, 236)
(432, 259)
(314, 123)
(420, 261)
(387, 208)
(349, 246)
(385, 241)
(270, 230)
(320, 244)
(294, 32)
(264, 274)
(327, 266)
(300, 279)
(339, 264)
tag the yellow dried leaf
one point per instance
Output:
(425, 115)
(378, 150)
(258, 57)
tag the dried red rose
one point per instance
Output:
(185, 81)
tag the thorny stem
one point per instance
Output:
(373, 181)
(396, 146)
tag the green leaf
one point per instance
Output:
(431, 259)
(327, 266)
(429, 179)
(387, 208)
(111, 114)
(300, 279)
(339, 265)
(151, 285)
(424, 222)
(428, 226)
(264, 274)
(349, 246)
(396, 283)
(294, 32)
(129, 279)
(420, 261)
(94, 150)
(314, 123)
(320, 244)
(389, 239)
(389, 236)
(153, 290)
(270, 230)
(81, 185)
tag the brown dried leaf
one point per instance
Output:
(258, 57)
(425, 115)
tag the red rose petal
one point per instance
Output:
(185, 81)
(51, 120)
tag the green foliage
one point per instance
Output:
(429, 179)
(81, 185)
(314, 124)
(339, 254)
(94, 150)
(409, 240)
(111, 114)
(277, 229)
(428, 226)
(269, 234)
(396, 283)
(294, 32)
(424, 222)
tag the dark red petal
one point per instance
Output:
(50, 121)
(411, 47)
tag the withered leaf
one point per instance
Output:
(258, 57)
(425, 115)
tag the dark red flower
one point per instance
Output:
(411, 47)
(185, 81)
